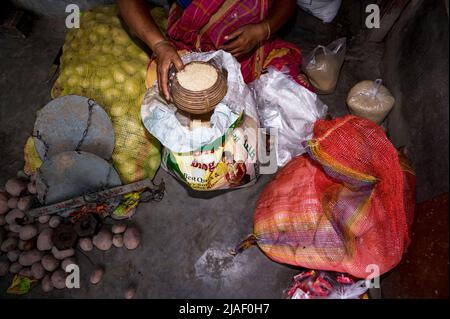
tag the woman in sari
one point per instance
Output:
(244, 28)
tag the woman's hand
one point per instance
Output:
(166, 55)
(245, 39)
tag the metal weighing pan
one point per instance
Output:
(71, 174)
(73, 123)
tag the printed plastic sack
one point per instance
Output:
(313, 284)
(324, 10)
(289, 108)
(219, 155)
(103, 62)
(323, 64)
(371, 100)
(346, 205)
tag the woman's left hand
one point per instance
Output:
(245, 39)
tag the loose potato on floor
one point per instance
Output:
(26, 245)
(97, 275)
(15, 186)
(62, 254)
(27, 232)
(15, 228)
(118, 240)
(130, 292)
(46, 284)
(13, 255)
(44, 219)
(44, 241)
(28, 258)
(132, 238)
(26, 272)
(9, 244)
(118, 228)
(13, 215)
(14, 268)
(58, 279)
(37, 270)
(68, 261)
(86, 244)
(49, 262)
(103, 240)
(12, 202)
(54, 221)
(24, 203)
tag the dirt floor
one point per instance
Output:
(186, 236)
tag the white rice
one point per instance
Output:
(197, 77)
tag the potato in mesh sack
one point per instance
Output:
(103, 62)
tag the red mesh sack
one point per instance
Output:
(346, 204)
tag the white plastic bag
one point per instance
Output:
(290, 108)
(161, 121)
(324, 10)
(206, 156)
(323, 64)
(318, 284)
(353, 291)
(371, 100)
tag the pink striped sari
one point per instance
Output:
(203, 25)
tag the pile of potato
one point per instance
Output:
(102, 61)
(28, 249)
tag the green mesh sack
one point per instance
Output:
(102, 61)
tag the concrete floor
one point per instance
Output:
(186, 236)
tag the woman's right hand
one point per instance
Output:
(166, 55)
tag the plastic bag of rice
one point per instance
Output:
(323, 64)
(370, 99)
